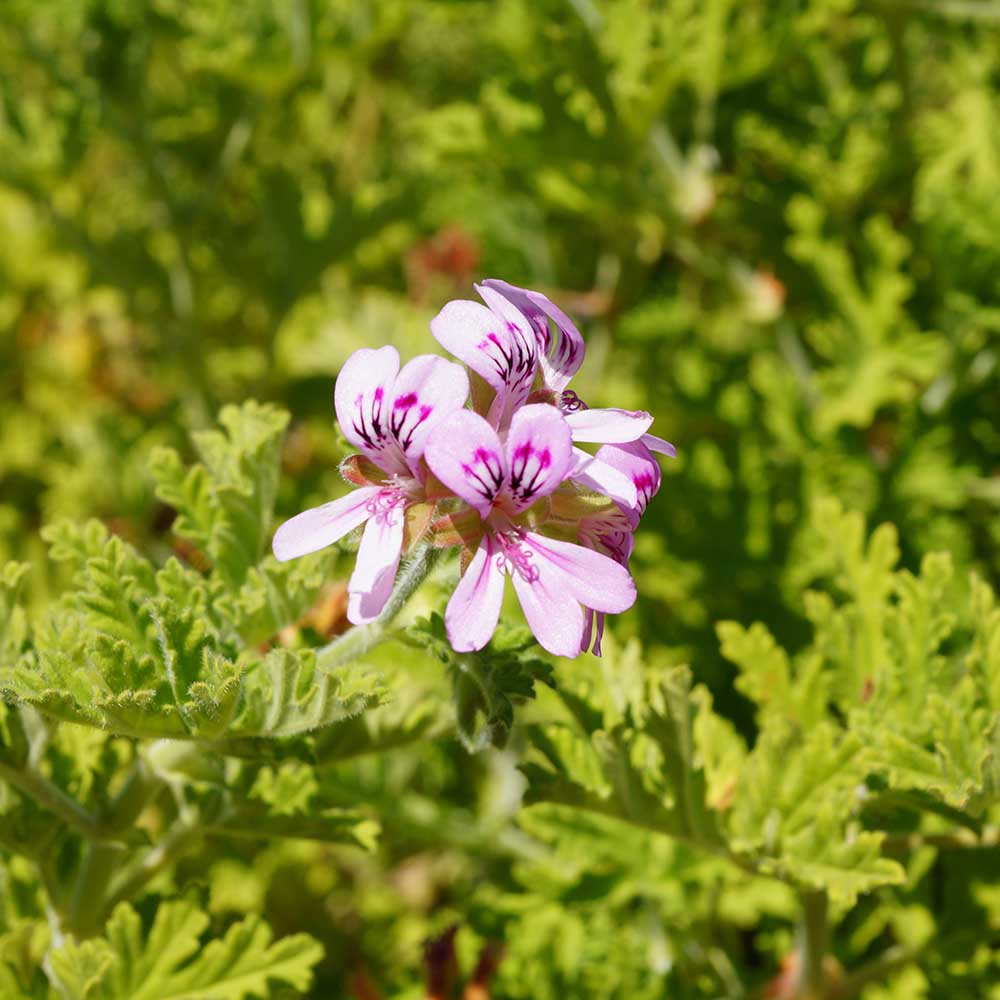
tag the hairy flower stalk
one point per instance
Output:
(506, 481)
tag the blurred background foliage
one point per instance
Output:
(775, 220)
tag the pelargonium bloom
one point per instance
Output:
(387, 413)
(554, 580)
(560, 359)
(526, 348)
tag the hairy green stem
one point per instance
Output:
(177, 841)
(359, 640)
(85, 914)
(53, 799)
(815, 941)
(955, 839)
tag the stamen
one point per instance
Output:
(384, 505)
(515, 556)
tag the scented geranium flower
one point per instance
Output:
(527, 349)
(554, 580)
(559, 360)
(611, 530)
(387, 413)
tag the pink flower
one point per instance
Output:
(560, 359)
(554, 580)
(387, 413)
(521, 335)
(612, 531)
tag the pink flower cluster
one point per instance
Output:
(504, 480)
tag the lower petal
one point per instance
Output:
(318, 527)
(474, 609)
(593, 579)
(553, 614)
(375, 569)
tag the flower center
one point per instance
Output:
(515, 556)
(384, 505)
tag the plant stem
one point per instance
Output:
(815, 935)
(959, 839)
(86, 911)
(359, 640)
(54, 799)
(177, 840)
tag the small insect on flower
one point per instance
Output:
(387, 413)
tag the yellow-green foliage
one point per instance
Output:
(777, 225)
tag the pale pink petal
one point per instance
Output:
(465, 453)
(428, 389)
(314, 529)
(590, 471)
(654, 443)
(634, 460)
(560, 357)
(362, 401)
(539, 453)
(606, 426)
(474, 609)
(554, 615)
(595, 580)
(376, 565)
(497, 345)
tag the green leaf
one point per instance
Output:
(226, 502)
(171, 962)
(486, 685)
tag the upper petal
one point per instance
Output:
(474, 609)
(560, 357)
(362, 401)
(376, 565)
(318, 527)
(539, 452)
(608, 425)
(635, 461)
(426, 391)
(593, 579)
(498, 345)
(465, 453)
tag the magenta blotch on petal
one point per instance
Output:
(361, 398)
(560, 357)
(427, 390)
(539, 453)
(465, 453)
